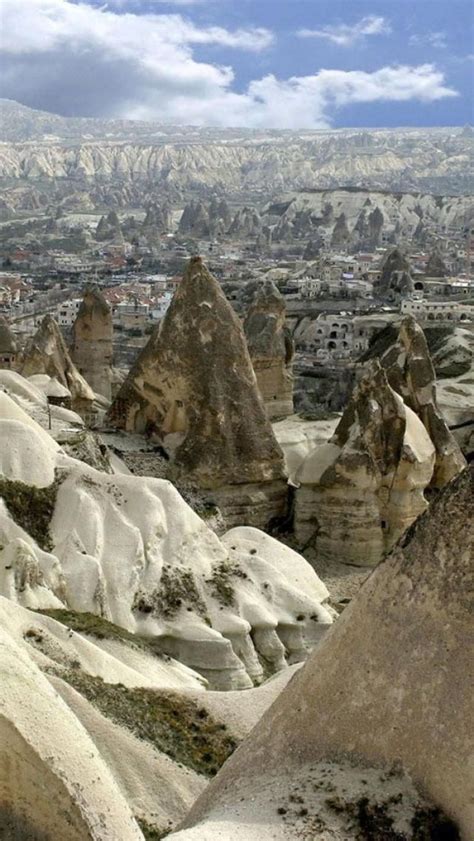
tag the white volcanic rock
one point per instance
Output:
(130, 549)
(159, 790)
(27, 452)
(366, 728)
(359, 492)
(52, 778)
(54, 646)
(24, 391)
(28, 575)
(298, 437)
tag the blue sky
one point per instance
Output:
(256, 63)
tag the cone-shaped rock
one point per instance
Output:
(436, 267)
(405, 356)
(46, 353)
(359, 492)
(395, 279)
(382, 707)
(271, 350)
(92, 347)
(8, 346)
(194, 390)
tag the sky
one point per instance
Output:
(287, 64)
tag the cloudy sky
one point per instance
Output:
(256, 63)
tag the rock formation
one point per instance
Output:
(92, 345)
(271, 350)
(147, 731)
(193, 390)
(8, 346)
(157, 219)
(451, 351)
(220, 213)
(341, 235)
(403, 353)
(46, 353)
(53, 782)
(366, 729)
(436, 267)
(395, 280)
(359, 492)
(130, 549)
(108, 227)
(313, 248)
(194, 221)
(246, 224)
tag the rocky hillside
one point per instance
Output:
(38, 145)
(358, 215)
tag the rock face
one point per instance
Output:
(108, 227)
(194, 390)
(131, 550)
(53, 782)
(46, 353)
(359, 492)
(406, 359)
(236, 160)
(8, 346)
(195, 220)
(92, 347)
(340, 235)
(157, 219)
(246, 224)
(271, 350)
(398, 664)
(436, 266)
(396, 280)
(451, 351)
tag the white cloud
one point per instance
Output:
(77, 59)
(429, 39)
(344, 35)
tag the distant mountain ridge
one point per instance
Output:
(37, 145)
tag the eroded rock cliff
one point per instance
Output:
(92, 347)
(359, 492)
(363, 741)
(271, 350)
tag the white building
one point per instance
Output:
(427, 310)
(66, 312)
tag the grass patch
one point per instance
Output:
(221, 582)
(32, 508)
(96, 626)
(151, 833)
(318, 413)
(175, 725)
(177, 589)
